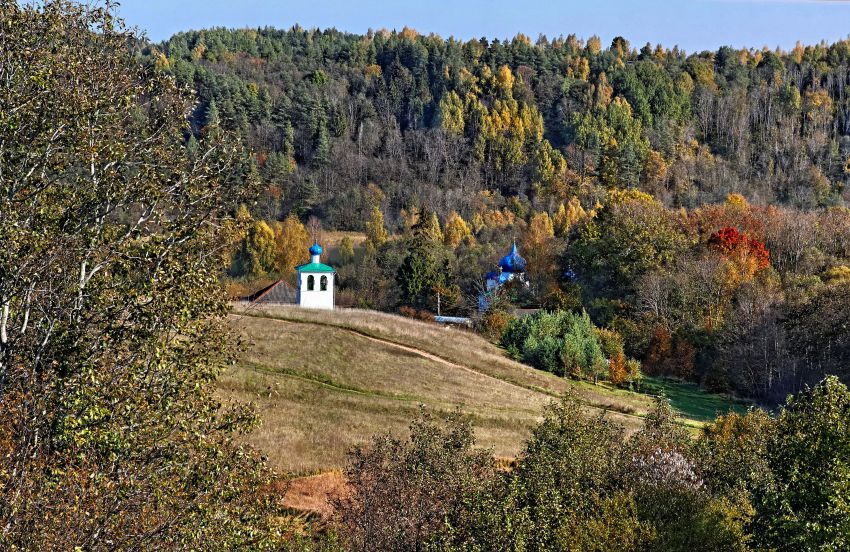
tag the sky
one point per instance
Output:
(694, 25)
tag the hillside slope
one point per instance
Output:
(325, 381)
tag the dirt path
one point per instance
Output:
(313, 494)
(432, 357)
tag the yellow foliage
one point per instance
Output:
(550, 171)
(456, 230)
(704, 72)
(616, 196)
(198, 51)
(579, 68)
(372, 71)
(506, 79)
(536, 246)
(376, 233)
(451, 114)
(499, 219)
(431, 229)
(837, 274)
(568, 217)
(617, 370)
(242, 214)
(291, 241)
(817, 107)
(737, 201)
(161, 62)
(477, 223)
(655, 170)
(539, 230)
(409, 33)
(603, 92)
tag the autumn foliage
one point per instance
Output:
(735, 244)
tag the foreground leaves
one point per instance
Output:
(111, 330)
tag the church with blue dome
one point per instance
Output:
(511, 269)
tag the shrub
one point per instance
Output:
(617, 369)
(493, 322)
(567, 343)
(407, 312)
(406, 494)
(410, 312)
(562, 342)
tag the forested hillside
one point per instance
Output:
(440, 120)
(692, 204)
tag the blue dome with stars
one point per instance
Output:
(512, 262)
(316, 249)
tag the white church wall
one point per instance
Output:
(316, 298)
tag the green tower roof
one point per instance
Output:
(314, 267)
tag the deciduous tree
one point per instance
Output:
(112, 328)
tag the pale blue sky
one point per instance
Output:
(691, 24)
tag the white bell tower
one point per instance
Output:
(316, 282)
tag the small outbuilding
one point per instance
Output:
(279, 293)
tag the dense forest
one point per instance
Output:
(692, 203)
(434, 121)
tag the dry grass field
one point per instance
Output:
(323, 381)
(331, 240)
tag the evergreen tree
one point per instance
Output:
(418, 273)
(212, 119)
(421, 272)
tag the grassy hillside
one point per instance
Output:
(324, 381)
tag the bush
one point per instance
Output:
(579, 485)
(405, 495)
(410, 312)
(563, 342)
(493, 322)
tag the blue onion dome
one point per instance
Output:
(512, 262)
(316, 249)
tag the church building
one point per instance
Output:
(315, 282)
(511, 269)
